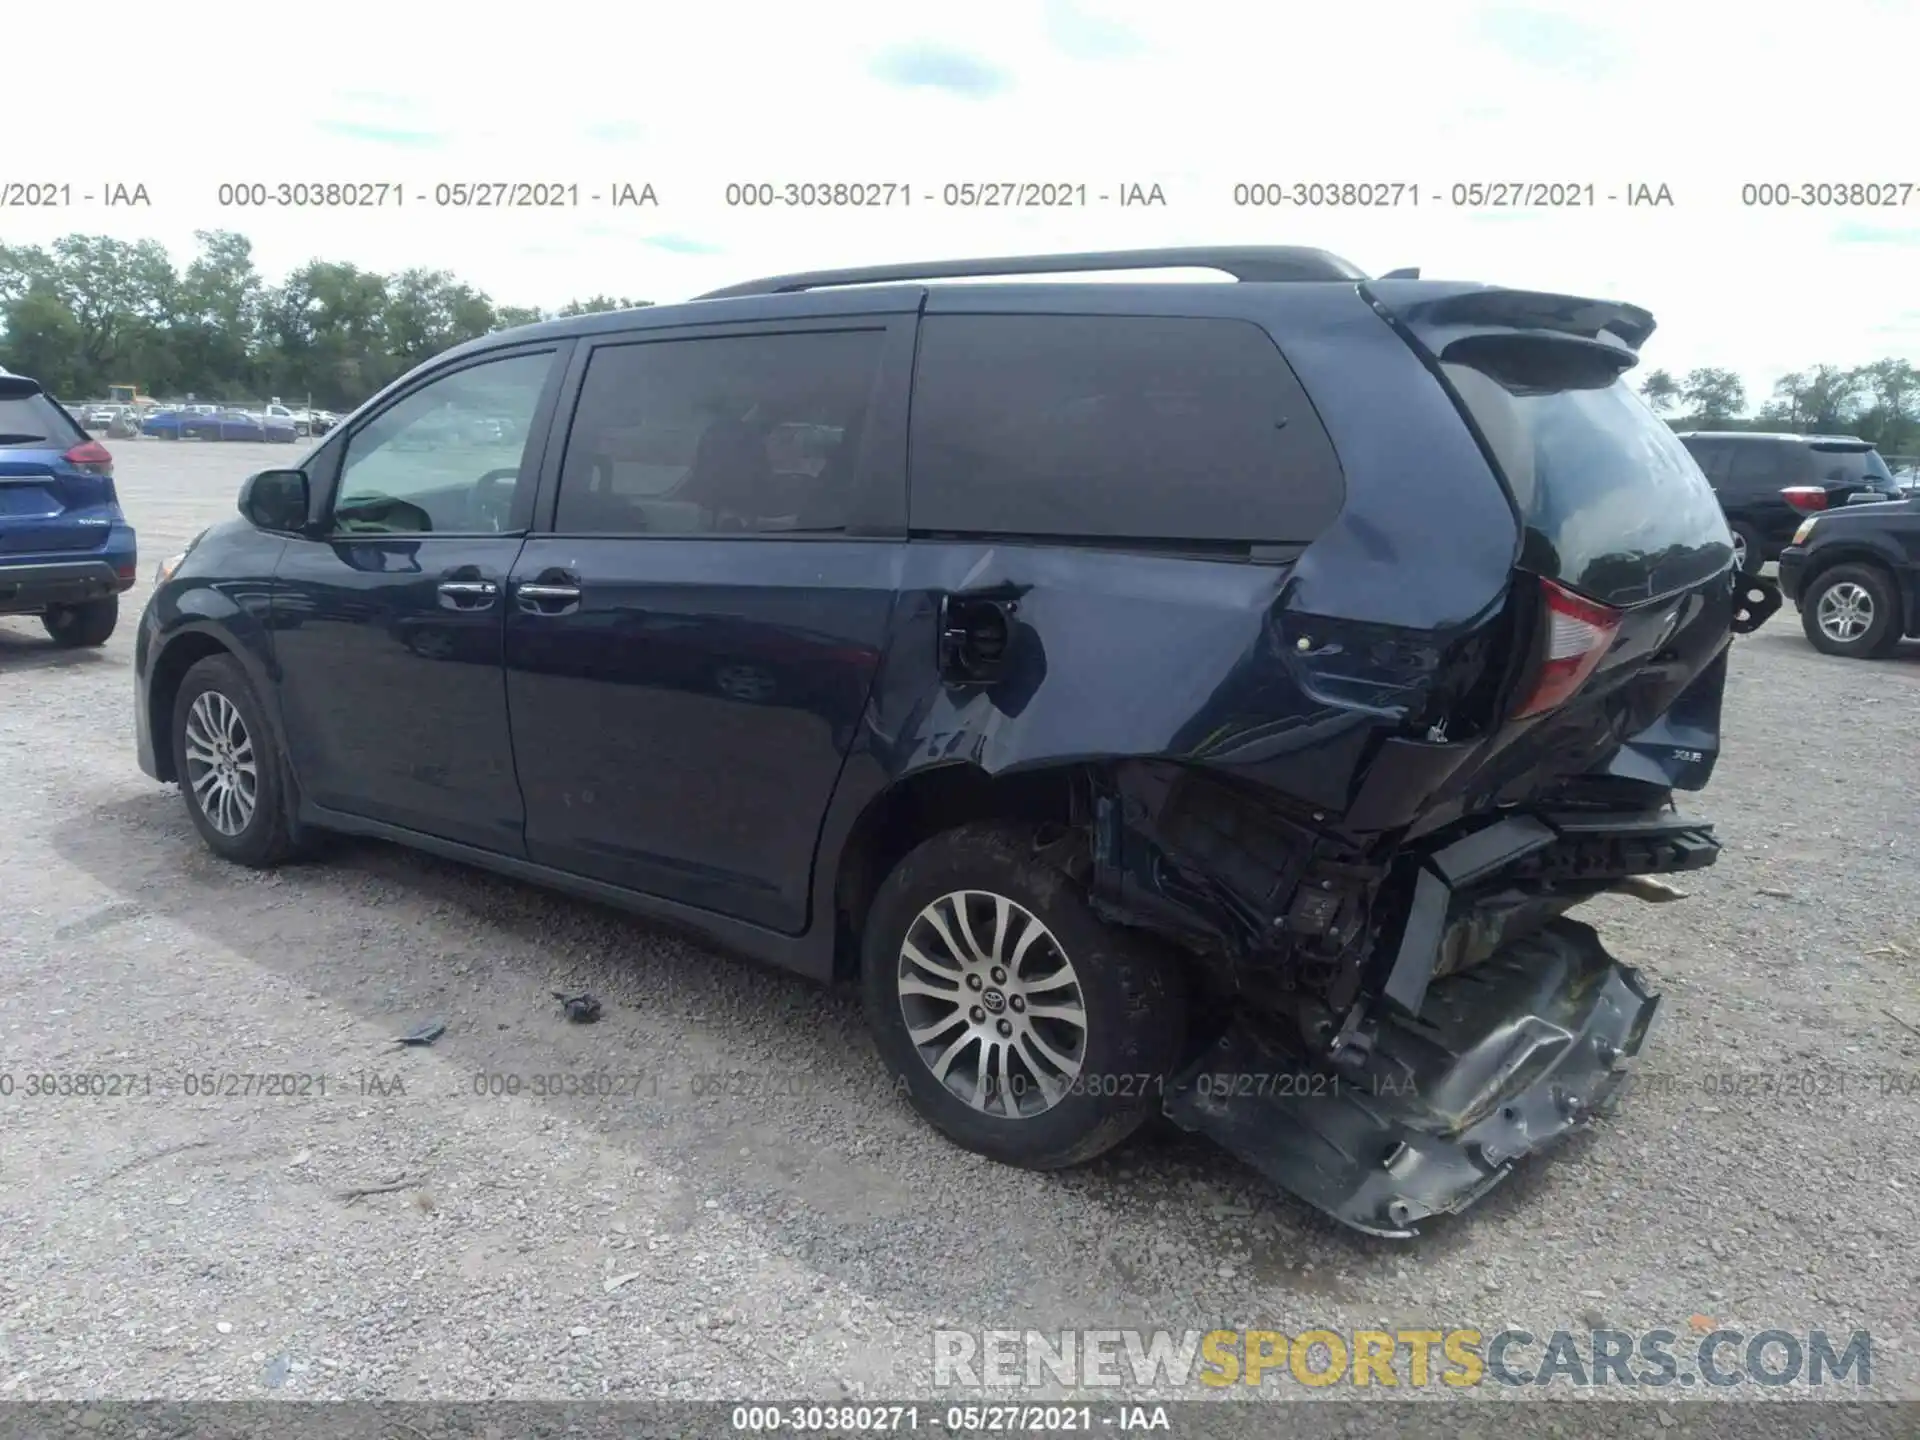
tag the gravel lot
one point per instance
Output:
(802, 1235)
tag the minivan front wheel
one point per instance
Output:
(228, 765)
(1852, 610)
(1019, 1024)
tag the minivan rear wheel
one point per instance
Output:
(227, 762)
(1746, 550)
(1852, 610)
(1019, 1024)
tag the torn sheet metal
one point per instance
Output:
(1503, 1060)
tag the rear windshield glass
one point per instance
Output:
(1613, 503)
(33, 422)
(1852, 465)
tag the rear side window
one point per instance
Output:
(33, 422)
(727, 434)
(1711, 456)
(1764, 465)
(1115, 427)
(1613, 503)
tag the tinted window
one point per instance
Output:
(1851, 465)
(30, 422)
(1115, 427)
(740, 434)
(1711, 456)
(1766, 465)
(1613, 503)
(446, 457)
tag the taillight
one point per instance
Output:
(1805, 498)
(1577, 633)
(92, 457)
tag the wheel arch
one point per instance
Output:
(926, 802)
(181, 652)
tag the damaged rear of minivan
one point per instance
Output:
(1313, 809)
(1472, 1021)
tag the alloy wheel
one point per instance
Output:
(992, 1003)
(221, 764)
(1845, 612)
(1740, 551)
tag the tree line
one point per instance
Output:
(89, 311)
(1878, 402)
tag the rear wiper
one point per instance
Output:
(19, 439)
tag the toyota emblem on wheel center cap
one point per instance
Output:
(993, 1000)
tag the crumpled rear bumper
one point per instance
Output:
(1503, 1060)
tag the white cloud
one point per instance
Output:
(1195, 96)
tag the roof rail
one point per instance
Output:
(1243, 262)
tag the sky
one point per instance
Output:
(1195, 97)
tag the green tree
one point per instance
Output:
(1892, 415)
(1660, 390)
(601, 304)
(45, 340)
(1713, 396)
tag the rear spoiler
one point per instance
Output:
(1439, 315)
(17, 387)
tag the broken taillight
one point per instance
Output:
(1807, 499)
(1577, 633)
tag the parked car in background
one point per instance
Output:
(1855, 576)
(313, 422)
(1133, 686)
(239, 425)
(217, 425)
(101, 414)
(1769, 483)
(66, 551)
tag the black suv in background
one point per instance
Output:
(1208, 697)
(1768, 484)
(1855, 576)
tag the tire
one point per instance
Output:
(1746, 547)
(1860, 599)
(220, 689)
(1129, 991)
(74, 627)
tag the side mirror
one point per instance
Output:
(276, 500)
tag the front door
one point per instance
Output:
(388, 632)
(690, 649)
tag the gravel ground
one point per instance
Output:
(801, 1235)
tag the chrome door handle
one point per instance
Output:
(538, 599)
(468, 594)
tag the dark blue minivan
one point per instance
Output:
(1201, 698)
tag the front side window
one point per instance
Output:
(446, 457)
(749, 434)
